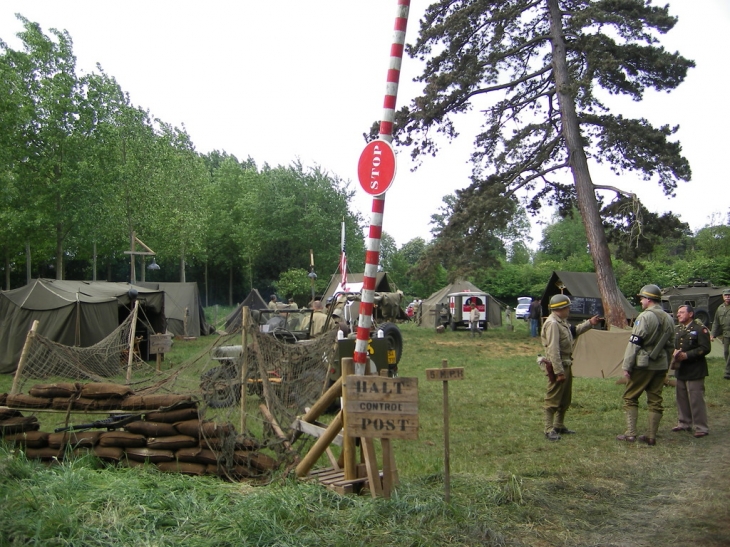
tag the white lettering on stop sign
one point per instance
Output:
(376, 168)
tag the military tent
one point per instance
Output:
(582, 288)
(73, 313)
(253, 301)
(430, 315)
(183, 309)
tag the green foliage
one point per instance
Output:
(296, 284)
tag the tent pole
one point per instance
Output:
(78, 321)
(244, 365)
(132, 334)
(23, 357)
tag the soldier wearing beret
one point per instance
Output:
(557, 338)
(646, 361)
(721, 328)
(691, 344)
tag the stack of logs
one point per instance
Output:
(169, 434)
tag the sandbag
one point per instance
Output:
(104, 390)
(196, 455)
(49, 391)
(153, 455)
(153, 402)
(255, 460)
(29, 439)
(123, 439)
(186, 468)
(151, 429)
(174, 442)
(21, 400)
(108, 453)
(172, 416)
(46, 453)
(19, 424)
(77, 439)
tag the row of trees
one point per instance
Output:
(82, 168)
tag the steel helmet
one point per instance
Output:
(652, 292)
(559, 301)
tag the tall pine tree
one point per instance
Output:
(533, 68)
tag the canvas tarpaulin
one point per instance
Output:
(600, 353)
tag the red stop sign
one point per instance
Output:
(376, 168)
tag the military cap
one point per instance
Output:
(652, 292)
(726, 291)
(559, 301)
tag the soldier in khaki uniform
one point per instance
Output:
(646, 361)
(557, 338)
(691, 343)
(721, 328)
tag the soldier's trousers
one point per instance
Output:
(691, 408)
(726, 348)
(651, 381)
(560, 394)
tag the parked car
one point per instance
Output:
(522, 311)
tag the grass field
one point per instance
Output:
(509, 485)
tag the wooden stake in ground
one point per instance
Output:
(23, 357)
(445, 374)
(244, 365)
(132, 334)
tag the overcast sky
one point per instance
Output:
(291, 79)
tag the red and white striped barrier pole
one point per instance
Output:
(372, 256)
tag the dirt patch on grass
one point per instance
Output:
(495, 347)
(691, 509)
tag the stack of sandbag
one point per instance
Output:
(174, 438)
(90, 396)
(13, 422)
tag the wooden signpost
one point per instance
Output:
(446, 374)
(160, 344)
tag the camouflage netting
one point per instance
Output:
(230, 426)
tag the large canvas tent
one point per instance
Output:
(183, 309)
(582, 288)
(431, 307)
(73, 313)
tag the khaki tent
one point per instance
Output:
(600, 353)
(582, 288)
(253, 301)
(183, 308)
(73, 313)
(431, 307)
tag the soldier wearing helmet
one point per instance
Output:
(646, 361)
(557, 337)
(721, 329)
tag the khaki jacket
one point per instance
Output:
(721, 324)
(557, 338)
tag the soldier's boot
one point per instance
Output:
(559, 423)
(650, 437)
(632, 414)
(550, 433)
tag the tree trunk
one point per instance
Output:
(230, 285)
(7, 269)
(587, 202)
(206, 283)
(28, 274)
(59, 251)
(182, 265)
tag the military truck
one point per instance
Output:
(701, 294)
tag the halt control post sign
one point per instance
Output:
(376, 167)
(383, 408)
